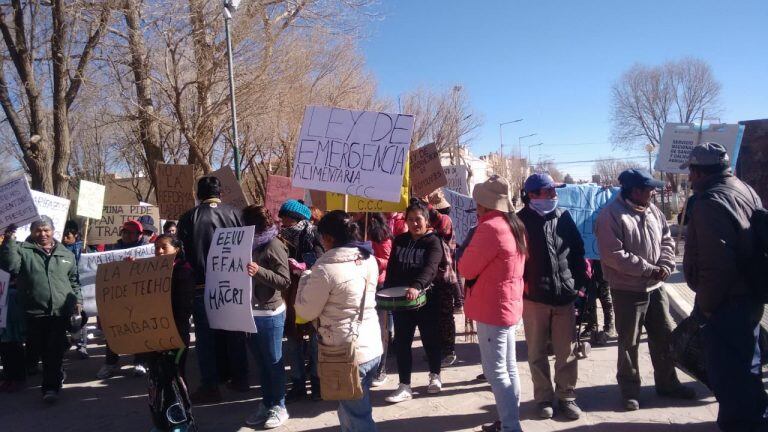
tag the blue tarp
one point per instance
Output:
(584, 203)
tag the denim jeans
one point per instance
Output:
(733, 366)
(267, 347)
(205, 344)
(499, 360)
(357, 415)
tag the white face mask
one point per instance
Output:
(544, 206)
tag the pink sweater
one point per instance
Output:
(492, 258)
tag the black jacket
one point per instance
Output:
(414, 263)
(196, 227)
(555, 270)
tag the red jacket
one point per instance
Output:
(397, 224)
(492, 259)
(381, 252)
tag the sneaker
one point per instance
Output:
(448, 360)
(276, 417)
(379, 380)
(107, 371)
(435, 385)
(545, 410)
(679, 392)
(50, 396)
(631, 404)
(493, 427)
(402, 394)
(569, 409)
(206, 395)
(139, 370)
(258, 418)
(82, 352)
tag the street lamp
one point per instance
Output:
(650, 148)
(230, 6)
(501, 141)
(520, 145)
(529, 151)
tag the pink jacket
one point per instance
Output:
(381, 252)
(496, 298)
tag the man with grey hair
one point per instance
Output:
(49, 286)
(719, 265)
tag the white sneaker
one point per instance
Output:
(276, 417)
(139, 370)
(448, 360)
(379, 380)
(402, 394)
(435, 385)
(259, 417)
(106, 371)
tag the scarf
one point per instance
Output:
(292, 234)
(262, 238)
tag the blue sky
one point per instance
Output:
(552, 62)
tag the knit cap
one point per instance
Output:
(294, 210)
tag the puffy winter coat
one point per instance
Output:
(332, 292)
(492, 259)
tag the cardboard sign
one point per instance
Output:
(335, 201)
(679, 139)
(584, 203)
(353, 152)
(463, 214)
(107, 229)
(89, 265)
(227, 283)
(135, 303)
(231, 190)
(175, 190)
(17, 207)
(456, 177)
(426, 173)
(90, 199)
(54, 207)
(5, 279)
(279, 190)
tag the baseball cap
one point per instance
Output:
(133, 225)
(632, 178)
(707, 154)
(148, 223)
(540, 181)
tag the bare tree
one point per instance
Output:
(548, 166)
(609, 169)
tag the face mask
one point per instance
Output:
(544, 206)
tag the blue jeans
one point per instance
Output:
(205, 344)
(357, 415)
(267, 347)
(733, 366)
(499, 360)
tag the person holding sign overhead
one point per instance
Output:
(47, 279)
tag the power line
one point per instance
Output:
(599, 160)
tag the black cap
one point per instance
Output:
(632, 178)
(707, 154)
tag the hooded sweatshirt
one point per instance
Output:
(414, 263)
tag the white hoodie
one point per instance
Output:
(332, 292)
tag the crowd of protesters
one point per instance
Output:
(315, 278)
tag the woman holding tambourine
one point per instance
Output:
(409, 292)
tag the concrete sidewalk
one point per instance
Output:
(119, 403)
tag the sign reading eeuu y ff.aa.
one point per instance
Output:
(227, 283)
(353, 152)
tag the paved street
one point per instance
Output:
(119, 404)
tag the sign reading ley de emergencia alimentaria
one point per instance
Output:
(353, 152)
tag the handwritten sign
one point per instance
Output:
(231, 190)
(135, 303)
(335, 201)
(456, 177)
(107, 229)
(54, 207)
(426, 173)
(16, 204)
(279, 190)
(5, 279)
(678, 139)
(175, 184)
(89, 265)
(463, 213)
(90, 199)
(584, 203)
(353, 152)
(227, 283)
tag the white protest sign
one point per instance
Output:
(54, 207)
(353, 152)
(90, 199)
(456, 175)
(679, 139)
(89, 263)
(5, 279)
(16, 204)
(227, 283)
(463, 214)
